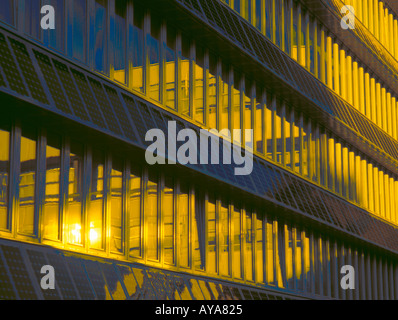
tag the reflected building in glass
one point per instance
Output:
(77, 193)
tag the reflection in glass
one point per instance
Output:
(224, 239)
(4, 177)
(98, 29)
(56, 36)
(136, 35)
(74, 215)
(96, 203)
(27, 179)
(249, 247)
(135, 212)
(77, 30)
(168, 220)
(7, 11)
(199, 85)
(212, 93)
(183, 211)
(185, 71)
(224, 87)
(259, 267)
(211, 236)
(152, 217)
(119, 38)
(170, 72)
(116, 241)
(153, 40)
(32, 18)
(236, 257)
(52, 192)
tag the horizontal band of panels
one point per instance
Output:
(80, 277)
(239, 32)
(96, 103)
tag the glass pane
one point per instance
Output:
(269, 136)
(168, 220)
(152, 217)
(74, 215)
(237, 258)
(136, 35)
(135, 213)
(98, 29)
(259, 267)
(248, 125)
(259, 124)
(32, 18)
(154, 58)
(183, 208)
(199, 93)
(27, 181)
(212, 93)
(268, 17)
(170, 76)
(258, 14)
(185, 76)
(211, 236)
(116, 206)
(236, 112)
(249, 247)
(96, 203)
(7, 11)
(56, 37)
(199, 231)
(269, 255)
(4, 177)
(119, 39)
(77, 27)
(224, 87)
(224, 239)
(52, 193)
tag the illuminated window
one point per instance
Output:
(259, 123)
(249, 246)
(153, 42)
(52, 192)
(224, 86)
(32, 18)
(259, 266)
(185, 72)
(170, 72)
(212, 93)
(119, 39)
(199, 231)
(74, 214)
(96, 201)
(77, 30)
(236, 106)
(98, 35)
(199, 85)
(152, 217)
(168, 220)
(27, 181)
(135, 212)
(224, 238)
(116, 212)
(136, 35)
(248, 110)
(211, 236)
(183, 212)
(7, 11)
(237, 241)
(4, 177)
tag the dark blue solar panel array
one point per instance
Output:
(77, 93)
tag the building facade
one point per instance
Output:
(77, 193)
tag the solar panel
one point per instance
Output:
(38, 260)
(217, 291)
(53, 85)
(147, 291)
(71, 91)
(10, 68)
(158, 283)
(182, 288)
(19, 273)
(80, 278)
(195, 289)
(31, 78)
(62, 279)
(97, 280)
(6, 288)
(129, 281)
(114, 285)
(135, 116)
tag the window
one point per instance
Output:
(116, 210)
(4, 177)
(183, 211)
(152, 217)
(168, 220)
(119, 39)
(237, 241)
(236, 111)
(32, 18)
(199, 85)
(268, 18)
(75, 194)
(154, 58)
(96, 201)
(199, 231)
(51, 211)
(224, 238)
(258, 15)
(7, 11)
(259, 122)
(77, 30)
(98, 33)
(259, 266)
(27, 182)
(248, 125)
(170, 72)
(135, 215)
(249, 247)
(55, 38)
(211, 236)
(212, 93)
(224, 86)
(185, 73)
(136, 40)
